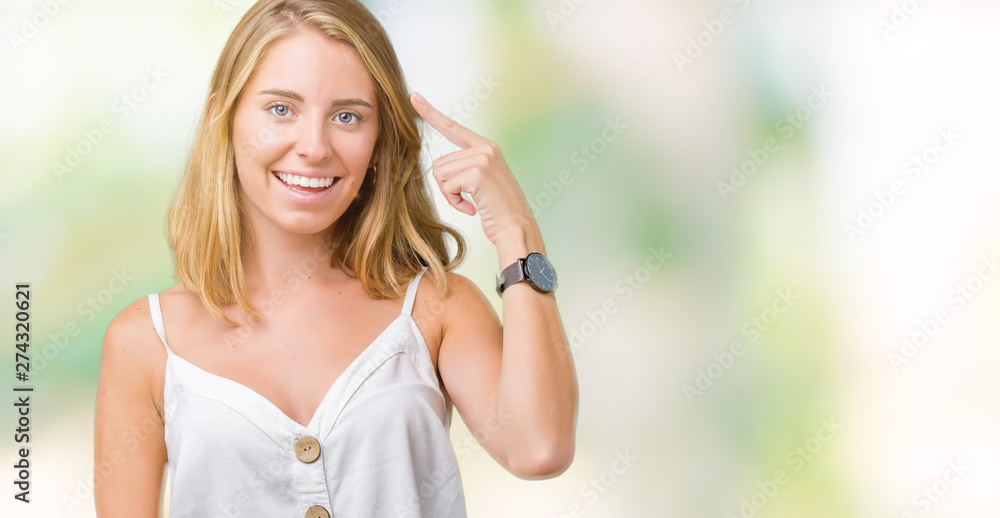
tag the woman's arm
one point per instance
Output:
(129, 450)
(514, 385)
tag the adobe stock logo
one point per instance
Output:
(901, 15)
(714, 28)
(30, 25)
(582, 158)
(935, 492)
(596, 487)
(57, 341)
(626, 287)
(787, 126)
(956, 300)
(753, 328)
(563, 12)
(795, 459)
(913, 170)
(92, 138)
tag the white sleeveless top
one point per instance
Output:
(377, 446)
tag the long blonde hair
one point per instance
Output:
(386, 235)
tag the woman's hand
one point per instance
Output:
(480, 170)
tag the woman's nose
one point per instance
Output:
(312, 141)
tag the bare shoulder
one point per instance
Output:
(465, 297)
(129, 325)
(464, 301)
(462, 295)
(132, 354)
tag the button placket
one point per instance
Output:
(310, 475)
(307, 449)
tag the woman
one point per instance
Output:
(304, 365)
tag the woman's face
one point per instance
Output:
(308, 116)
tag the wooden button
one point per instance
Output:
(307, 450)
(317, 511)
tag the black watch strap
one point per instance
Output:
(510, 275)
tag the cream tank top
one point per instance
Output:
(378, 445)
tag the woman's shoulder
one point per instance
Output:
(138, 315)
(132, 322)
(462, 289)
(133, 326)
(457, 286)
(432, 312)
(462, 295)
(132, 354)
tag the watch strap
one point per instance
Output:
(510, 275)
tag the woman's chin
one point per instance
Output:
(307, 227)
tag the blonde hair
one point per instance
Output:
(386, 235)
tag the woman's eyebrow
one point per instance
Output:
(295, 96)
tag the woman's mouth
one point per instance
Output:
(305, 184)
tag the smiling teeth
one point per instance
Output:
(303, 181)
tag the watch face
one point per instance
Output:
(540, 272)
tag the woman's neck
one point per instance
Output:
(277, 261)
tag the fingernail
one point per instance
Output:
(419, 98)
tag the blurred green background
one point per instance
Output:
(775, 225)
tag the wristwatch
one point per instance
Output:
(535, 269)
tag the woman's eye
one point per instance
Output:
(280, 110)
(347, 118)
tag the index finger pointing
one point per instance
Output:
(459, 135)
